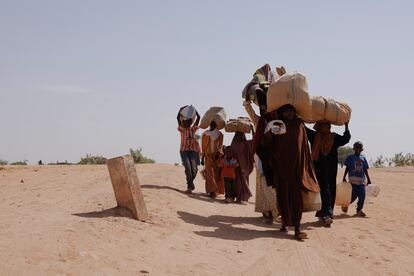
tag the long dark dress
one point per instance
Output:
(288, 156)
(243, 152)
(326, 169)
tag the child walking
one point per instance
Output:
(357, 167)
(228, 166)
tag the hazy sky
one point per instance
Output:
(100, 77)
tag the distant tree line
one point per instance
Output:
(91, 159)
(398, 160)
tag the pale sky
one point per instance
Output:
(100, 76)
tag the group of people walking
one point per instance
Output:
(300, 161)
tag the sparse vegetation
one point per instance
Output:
(139, 158)
(400, 159)
(343, 153)
(90, 159)
(3, 162)
(380, 162)
(22, 163)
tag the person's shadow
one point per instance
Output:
(231, 228)
(197, 196)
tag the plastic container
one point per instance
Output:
(343, 194)
(372, 190)
(311, 201)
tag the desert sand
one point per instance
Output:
(61, 220)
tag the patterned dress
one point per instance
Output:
(265, 195)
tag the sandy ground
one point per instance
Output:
(61, 220)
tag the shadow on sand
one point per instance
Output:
(111, 212)
(231, 228)
(198, 196)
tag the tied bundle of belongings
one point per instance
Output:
(188, 113)
(277, 127)
(241, 124)
(214, 114)
(343, 194)
(311, 201)
(256, 89)
(329, 110)
(290, 89)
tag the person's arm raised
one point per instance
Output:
(197, 122)
(178, 116)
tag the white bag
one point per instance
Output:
(277, 127)
(311, 201)
(372, 190)
(188, 112)
(343, 194)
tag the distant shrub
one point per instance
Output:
(92, 160)
(380, 162)
(22, 163)
(59, 163)
(400, 159)
(139, 158)
(343, 153)
(3, 162)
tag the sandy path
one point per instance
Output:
(61, 220)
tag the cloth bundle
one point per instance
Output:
(330, 110)
(290, 89)
(187, 113)
(216, 114)
(241, 124)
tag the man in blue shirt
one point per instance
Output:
(357, 167)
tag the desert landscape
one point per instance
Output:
(63, 220)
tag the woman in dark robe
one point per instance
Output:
(325, 146)
(289, 158)
(243, 152)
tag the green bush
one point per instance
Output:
(139, 158)
(3, 162)
(92, 160)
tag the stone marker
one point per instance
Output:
(126, 186)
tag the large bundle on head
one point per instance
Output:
(216, 114)
(241, 124)
(290, 89)
(188, 113)
(330, 110)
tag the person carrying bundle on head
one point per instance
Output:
(189, 147)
